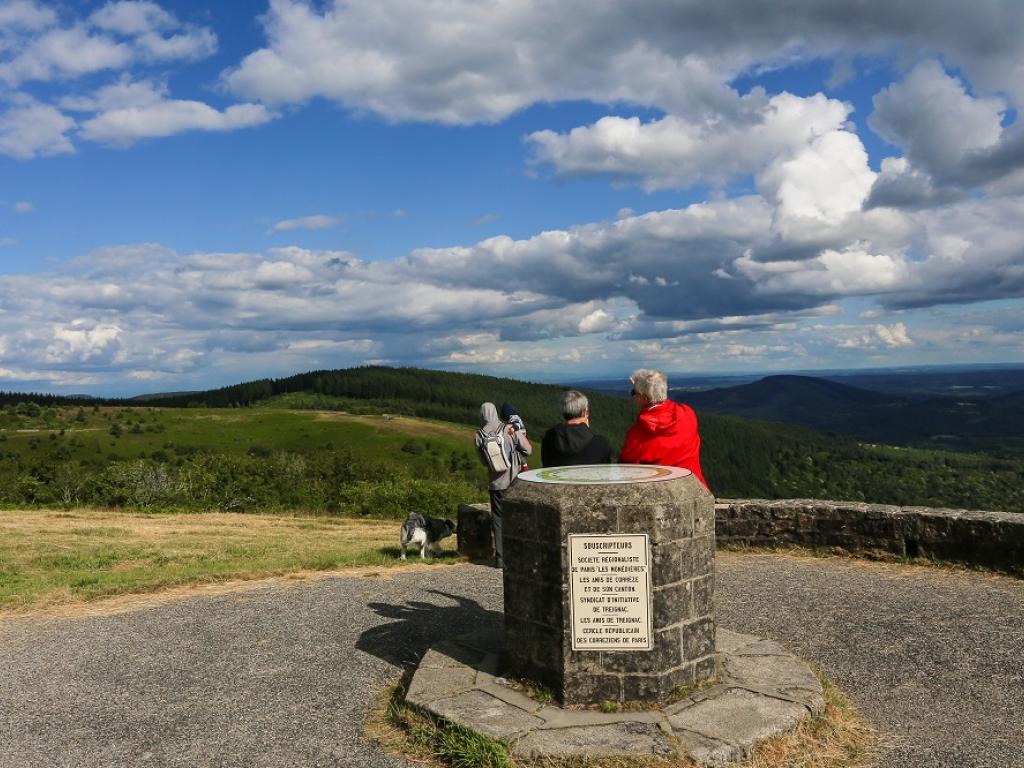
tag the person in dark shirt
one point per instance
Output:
(573, 443)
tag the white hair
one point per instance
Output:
(651, 384)
(574, 404)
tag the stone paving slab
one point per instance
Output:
(762, 691)
(488, 715)
(610, 740)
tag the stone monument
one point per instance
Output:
(609, 582)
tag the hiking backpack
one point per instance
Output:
(494, 450)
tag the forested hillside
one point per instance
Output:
(989, 424)
(740, 457)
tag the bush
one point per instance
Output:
(395, 498)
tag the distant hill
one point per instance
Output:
(992, 424)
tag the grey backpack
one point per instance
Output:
(494, 450)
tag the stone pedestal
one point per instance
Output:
(542, 510)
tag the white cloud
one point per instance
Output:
(832, 273)
(65, 53)
(77, 342)
(874, 337)
(931, 115)
(114, 37)
(127, 125)
(25, 15)
(133, 18)
(679, 152)
(23, 206)
(31, 129)
(404, 60)
(820, 185)
(319, 221)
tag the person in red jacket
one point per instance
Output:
(665, 431)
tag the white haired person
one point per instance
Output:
(502, 448)
(572, 442)
(665, 432)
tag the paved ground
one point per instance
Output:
(283, 675)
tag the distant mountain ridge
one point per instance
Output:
(993, 424)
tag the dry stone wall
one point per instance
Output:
(988, 539)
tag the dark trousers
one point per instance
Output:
(499, 559)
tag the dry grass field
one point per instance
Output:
(51, 558)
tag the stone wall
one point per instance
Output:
(988, 539)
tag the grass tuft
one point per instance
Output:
(838, 738)
(413, 734)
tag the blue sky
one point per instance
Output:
(191, 196)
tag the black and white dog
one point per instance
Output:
(425, 531)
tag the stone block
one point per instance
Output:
(704, 517)
(698, 638)
(666, 654)
(662, 522)
(667, 563)
(702, 556)
(490, 716)
(784, 671)
(596, 741)
(636, 687)
(473, 532)
(703, 596)
(737, 717)
(590, 688)
(599, 518)
(672, 604)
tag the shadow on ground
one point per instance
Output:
(416, 625)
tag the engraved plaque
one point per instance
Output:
(610, 592)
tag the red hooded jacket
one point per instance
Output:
(666, 434)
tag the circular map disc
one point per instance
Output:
(604, 474)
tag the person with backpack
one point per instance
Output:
(501, 448)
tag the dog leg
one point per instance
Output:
(401, 543)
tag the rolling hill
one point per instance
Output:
(991, 424)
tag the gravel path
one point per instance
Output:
(283, 675)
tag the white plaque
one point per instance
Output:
(610, 592)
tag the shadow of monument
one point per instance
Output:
(416, 625)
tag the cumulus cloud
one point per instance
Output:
(877, 336)
(953, 140)
(127, 125)
(405, 61)
(30, 129)
(25, 15)
(318, 221)
(113, 37)
(133, 18)
(679, 152)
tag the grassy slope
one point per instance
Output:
(172, 432)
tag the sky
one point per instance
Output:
(196, 194)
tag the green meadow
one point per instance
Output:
(235, 459)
